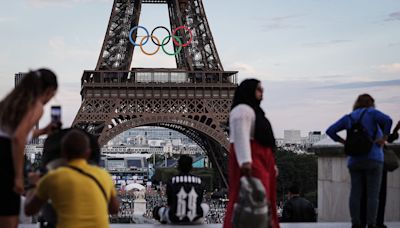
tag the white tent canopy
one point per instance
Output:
(134, 186)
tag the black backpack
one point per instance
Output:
(358, 141)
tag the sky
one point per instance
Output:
(314, 57)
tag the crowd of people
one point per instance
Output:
(156, 197)
(73, 191)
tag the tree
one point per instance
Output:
(300, 169)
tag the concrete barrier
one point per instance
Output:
(334, 184)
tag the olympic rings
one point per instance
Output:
(175, 38)
(131, 33)
(152, 32)
(158, 45)
(179, 47)
(184, 28)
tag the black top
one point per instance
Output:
(246, 94)
(185, 195)
(298, 209)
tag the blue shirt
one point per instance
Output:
(377, 125)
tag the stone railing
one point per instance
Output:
(334, 184)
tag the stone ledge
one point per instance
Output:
(338, 150)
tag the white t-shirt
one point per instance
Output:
(242, 120)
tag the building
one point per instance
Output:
(151, 133)
(314, 137)
(32, 151)
(152, 140)
(292, 137)
(132, 150)
(126, 169)
(18, 78)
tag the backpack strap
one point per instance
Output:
(359, 121)
(361, 116)
(91, 177)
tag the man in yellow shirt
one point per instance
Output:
(81, 194)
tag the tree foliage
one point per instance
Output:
(299, 169)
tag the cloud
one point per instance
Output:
(244, 68)
(395, 16)
(278, 23)
(390, 68)
(300, 105)
(326, 43)
(362, 84)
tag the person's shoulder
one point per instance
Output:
(374, 111)
(56, 172)
(242, 110)
(99, 170)
(50, 176)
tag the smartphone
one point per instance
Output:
(56, 114)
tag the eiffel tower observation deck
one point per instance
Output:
(194, 98)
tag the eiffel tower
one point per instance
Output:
(194, 98)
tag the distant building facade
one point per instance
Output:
(17, 79)
(292, 137)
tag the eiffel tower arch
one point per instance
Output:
(194, 98)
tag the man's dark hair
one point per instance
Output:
(294, 189)
(185, 163)
(74, 144)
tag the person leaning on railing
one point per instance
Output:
(363, 162)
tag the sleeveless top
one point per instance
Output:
(4, 134)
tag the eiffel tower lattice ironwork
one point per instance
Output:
(193, 98)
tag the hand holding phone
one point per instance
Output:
(56, 117)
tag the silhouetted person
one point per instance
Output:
(380, 219)
(297, 208)
(368, 163)
(184, 197)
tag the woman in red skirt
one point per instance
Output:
(252, 147)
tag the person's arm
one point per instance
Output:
(336, 127)
(395, 134)
(33, 202)
(43, 131)
(241, 124)
(113, 203)
(311, 212)
(385, 122)
(286, 212)
(18, 144)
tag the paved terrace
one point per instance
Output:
(285, 225)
